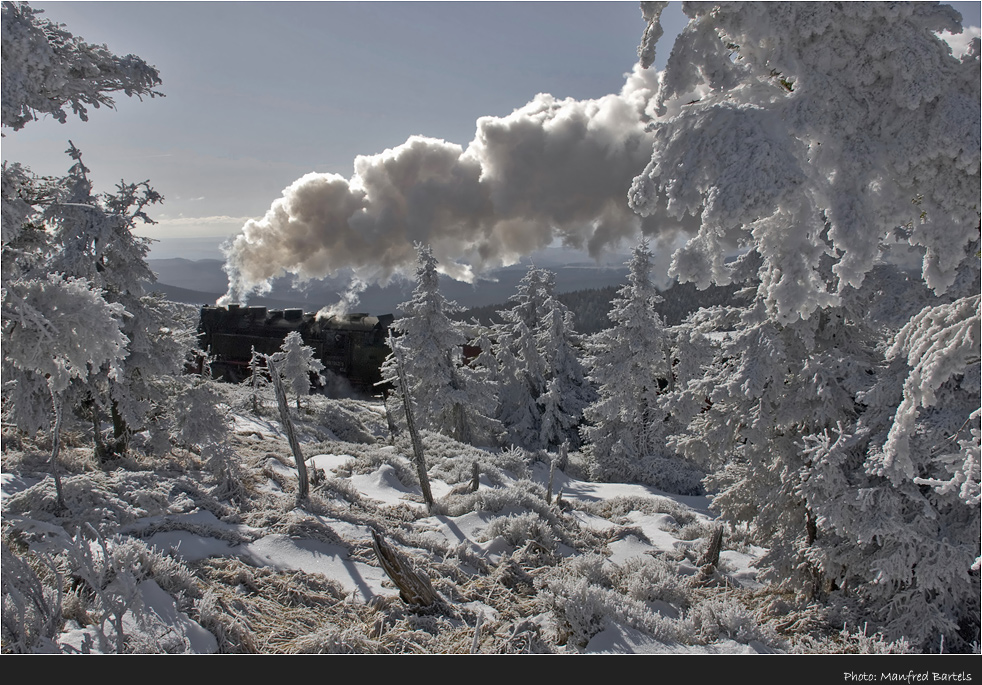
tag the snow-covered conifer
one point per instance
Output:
(811, 137)
(523, 374)
(297, 363)
(568, 392)
(57, 231)
(628, 366)
(447, 394)
(46, 68)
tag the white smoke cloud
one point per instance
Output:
(347, 301)
(553, 169)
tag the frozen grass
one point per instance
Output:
(514, 572)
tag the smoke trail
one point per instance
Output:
(553, 169)
(347, 302)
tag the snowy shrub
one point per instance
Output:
(652, 579)
(369, 461)
(850, 641)
(98, 581)
(590, 567)
(623, 505)
(518, 529)
(521, 495)
(454, 462)
(348, 421)
(197, 415)
(224, 465)
(32, 610)
(102, 500)
(333, 639)
(579, 464)
(582, 609)
(670, 474)
(113, 571)
(722, 617)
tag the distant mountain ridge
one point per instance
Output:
(204, 281)
(584, 287)
(590, 307)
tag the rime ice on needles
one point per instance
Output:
(627, 365)
(807, 117)
(297, 363)
(447, 394)
(46, 68)
(814, 138)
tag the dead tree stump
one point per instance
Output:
(414, 587)
(711, 555)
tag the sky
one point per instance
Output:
(258, 94)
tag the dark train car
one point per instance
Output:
(352, 346)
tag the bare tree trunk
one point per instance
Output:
(393, 428)
(101, 454)
(56, 447)
(303, 482)
(476, 642)
(424, 479)
(120, 431)
(552, 475)
(462, 429)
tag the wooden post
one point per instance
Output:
(475, 477)
(303, 482)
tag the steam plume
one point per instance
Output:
(553, 169)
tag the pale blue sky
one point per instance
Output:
(261, 93)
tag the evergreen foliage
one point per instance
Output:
(297, 364)
(816, 138)
(73, 271)
(449, 396)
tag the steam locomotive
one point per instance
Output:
(351, 346)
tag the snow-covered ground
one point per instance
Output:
(198, 546)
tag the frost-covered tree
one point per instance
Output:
(57, 333)
(59, 233)
(46, 68)
(542, 384)
(448, 396)
(815, 137)
(898, 489)
(629, 367)
(786, 126)
(568, 392)
(523, 375)
(297, 363)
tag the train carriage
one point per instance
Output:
(351, 346)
